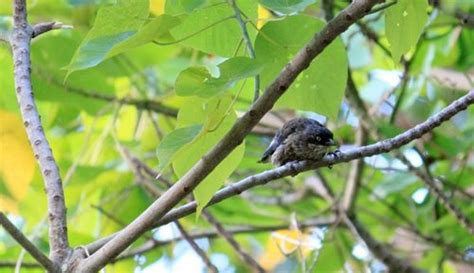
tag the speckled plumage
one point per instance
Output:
(299, 139)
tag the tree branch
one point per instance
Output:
(41, 28)
(355, 174)
(233, 243)
(20, 42)
(149, 245)
(185, 235)
(232, 139)
(294, 168)
(137, 168)
(368, 123)
(248, 42)
(26, 244)
(151, 105)
(381, 252)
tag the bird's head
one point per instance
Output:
(320, 135)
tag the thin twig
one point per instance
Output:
(233, 243)
(41, 28)
(393, 263)
(380, 251)
(137, 167)
(248, 41)
(27, 244)
(210, 266)
(355, 174)
(144, 104)
(212, 234)
(369, 124)
(12, 264)
(20, 41)
(262, 178)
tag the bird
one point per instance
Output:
(299, 139)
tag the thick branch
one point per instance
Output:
(20, 41)
(26, 244)
(232, 139)
(297, 167)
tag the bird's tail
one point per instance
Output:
(269, 151)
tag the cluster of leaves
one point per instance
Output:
(190, 55)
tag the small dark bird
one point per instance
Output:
(299, 139)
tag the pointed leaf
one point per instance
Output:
(404, 23)
(175, 141)
(320, 88)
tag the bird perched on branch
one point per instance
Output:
(299, 139)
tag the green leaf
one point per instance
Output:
(330, 259)
(320, 88)
(179, 7)
(186, 158)
(157, 28)
(113, 25)
(286, 6)
(198, 81)
(175, 141)
(213, 29)
(191, 81)
(404, 23)
(394, 183)
(191, 5)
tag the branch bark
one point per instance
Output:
(232, 139)
(27, 244)
(368, 123)
(297, 167)
(20, 42)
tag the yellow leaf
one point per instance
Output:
(8, 205)
(17, 164)
(282, 243)
(157, 7)
(263, 16)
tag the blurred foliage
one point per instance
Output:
(189, 56)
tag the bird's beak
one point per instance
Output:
(331, 142)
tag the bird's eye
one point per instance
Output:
(318, 139)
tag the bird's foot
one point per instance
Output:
(292, 165)
(335, 154)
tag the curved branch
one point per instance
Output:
(211, 234)
(294, 168)
(27, 244)
(20, 42)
